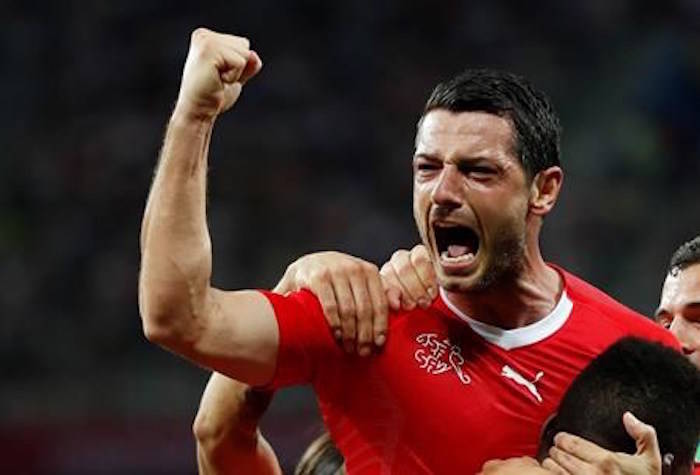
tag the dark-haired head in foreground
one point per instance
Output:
(655, 383)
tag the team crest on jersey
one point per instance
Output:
(438, 355)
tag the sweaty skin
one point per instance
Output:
(466, 174)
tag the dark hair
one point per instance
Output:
(535, 124)
(322, 457)
(687, 254)
(656, 383)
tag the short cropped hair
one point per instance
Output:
(686, 255)
(656, 383)
(536, 126)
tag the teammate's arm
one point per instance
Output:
(226, 430)
(351, 294)
(355, 298)
(574, 455)
(234, 333)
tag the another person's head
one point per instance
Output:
(322, 457)
(486, 171)
(679, 310)
(657, 384)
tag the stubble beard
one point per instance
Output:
(506, 262)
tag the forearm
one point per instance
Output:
(226, 429)
(257, 459)
(175, 243)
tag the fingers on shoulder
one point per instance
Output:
(424, 268)
(409, 276)
(323, 289)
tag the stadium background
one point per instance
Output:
(316, 156)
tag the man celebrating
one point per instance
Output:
(470, 378)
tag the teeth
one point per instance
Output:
(463, 258)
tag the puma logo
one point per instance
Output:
(510, 373)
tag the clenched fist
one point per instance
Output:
(216, 69)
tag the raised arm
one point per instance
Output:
(232, 332)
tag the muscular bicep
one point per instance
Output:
(238, 336)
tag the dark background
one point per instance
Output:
(316, 155)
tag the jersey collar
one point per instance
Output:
(518, 337)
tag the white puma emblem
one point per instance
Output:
(510, 373)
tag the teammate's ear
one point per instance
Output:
(544, 190)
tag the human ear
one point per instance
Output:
(544, 190)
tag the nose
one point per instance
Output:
(447, 190)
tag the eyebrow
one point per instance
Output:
(694, 305)
(428, 156)
(461, 159)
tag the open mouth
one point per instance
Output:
(456, 244)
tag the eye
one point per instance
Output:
(422, 165)
(479, 172)
(482, 171)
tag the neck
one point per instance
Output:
(518, 301)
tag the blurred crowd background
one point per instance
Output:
(316, 155)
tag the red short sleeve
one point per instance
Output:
(304, 338)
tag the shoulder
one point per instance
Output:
(593, 303)
(581, 291)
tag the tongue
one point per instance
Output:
(455, 250)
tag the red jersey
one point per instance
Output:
(448, 393)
